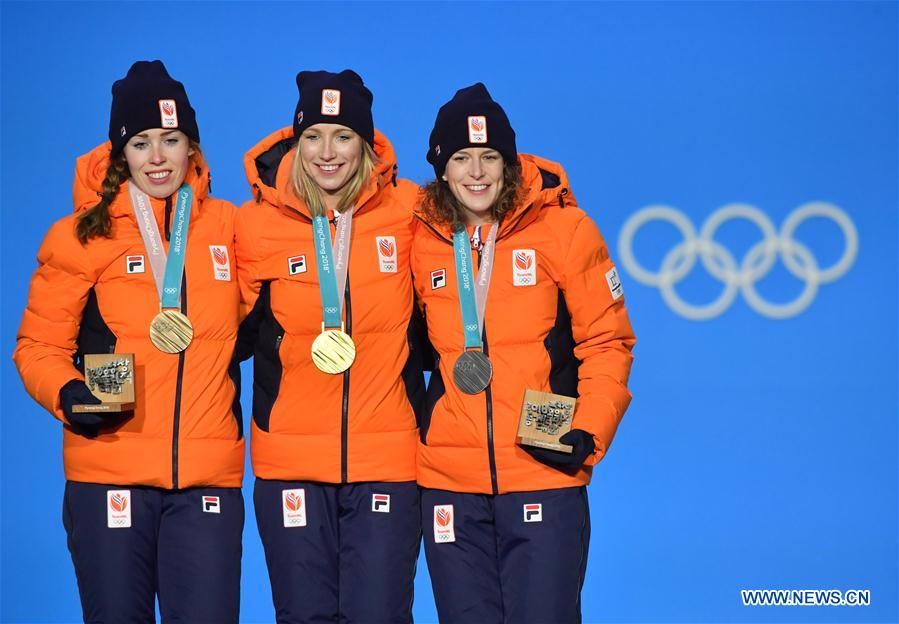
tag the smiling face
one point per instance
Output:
(331, 154)
(158, 160)
(475, 177)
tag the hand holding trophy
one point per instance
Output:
(544, 431)
(106, 396)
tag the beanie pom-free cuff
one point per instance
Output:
(470, 119)
(326, 97)
(146, 98)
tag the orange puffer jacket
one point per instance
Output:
(555, 322)
(100, 298)
(309, 425)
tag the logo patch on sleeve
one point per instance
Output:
(293, 502)
(330, 102)
(296, 265)
(524, 267)
(221, 265)
(477, 129)
(118, 509)
(614, 283)
(438, 279)
(444, 531)
(533, 512)
(134, 264)
(380, 503)
(168, 114)
(387, 254)
(212, 504)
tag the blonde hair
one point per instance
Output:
(307, 189)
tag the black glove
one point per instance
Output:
(76, 392)
(567, 462)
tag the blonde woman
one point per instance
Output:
(323, 255)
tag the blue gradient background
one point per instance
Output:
(756, 454)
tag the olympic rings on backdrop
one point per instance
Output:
(721, 264)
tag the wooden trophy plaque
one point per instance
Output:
(110, 377)
(545, 417)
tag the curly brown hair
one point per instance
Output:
(439, 205)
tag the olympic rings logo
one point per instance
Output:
(721, 264)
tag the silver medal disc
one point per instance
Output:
(472, 372)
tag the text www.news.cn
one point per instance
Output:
(805, 597)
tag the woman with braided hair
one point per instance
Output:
(152, 503)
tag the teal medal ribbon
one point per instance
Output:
(333, 351)
(174, 264)
(473, 370)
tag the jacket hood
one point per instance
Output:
(269, 162)
(544, 182)
(90, 170)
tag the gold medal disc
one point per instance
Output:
(171, 331)
(333, 351)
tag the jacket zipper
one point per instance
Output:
(176, 415)
(178, 384)
(488, 398)
(345, 408)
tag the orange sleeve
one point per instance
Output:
(47, 337)
(248, 255)
(602, 333)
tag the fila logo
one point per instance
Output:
(296, 265)
(387, 254)
(221, 265)
(380, 503)
(524, 267)
(438, 279)
(212, 504)
(614, 283)
(118, 509)
(444, 533)
(168, 114)
(134, 264)
(477, 129)
(293, 503)
(533, 512)
(330, 102)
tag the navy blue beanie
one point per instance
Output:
(147, 97)
(471, 119)
(326, 97)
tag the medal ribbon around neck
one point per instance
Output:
(170, 330)
(333, 350)
(473, 371)
(473, 293)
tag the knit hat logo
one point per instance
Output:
(331, 102)
(168, 112)
(477, 129)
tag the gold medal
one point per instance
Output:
(171, 331)
(333, 351)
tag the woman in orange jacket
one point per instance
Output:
(519, 294)
(143, 267)
(323, 256)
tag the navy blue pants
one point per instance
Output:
(131, 543)
(517, 557)
(339, 553)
